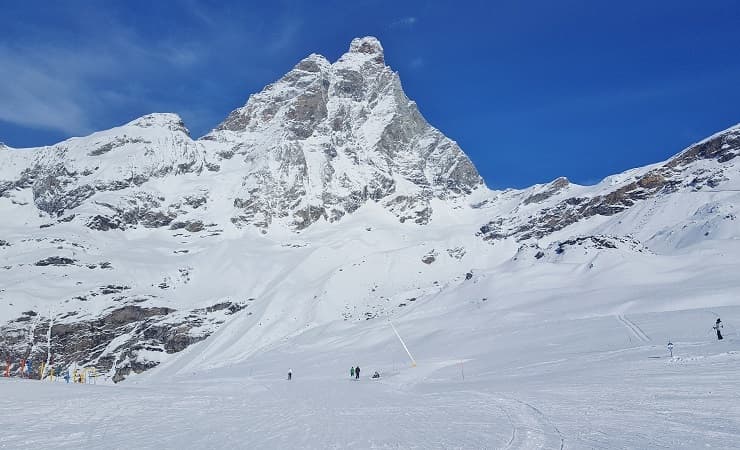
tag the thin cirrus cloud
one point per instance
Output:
(77, 86)
(416, 63)
(404, 22)
(50, 87)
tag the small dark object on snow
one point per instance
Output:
(717, 326)
(376, 374)
(468, 275)
(357, 373)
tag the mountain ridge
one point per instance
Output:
(325, 200)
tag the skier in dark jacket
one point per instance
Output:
(717, 326)
(357, 373)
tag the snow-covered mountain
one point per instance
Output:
(326, 200)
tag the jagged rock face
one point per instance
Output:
(115, 343)
(701, 166)
(317, 144)
(79, 171)
(326, 138)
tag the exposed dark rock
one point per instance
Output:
(192, 226)
(55, 261)
(103, 223)
(128, 314)
(196, 202)
(429, 257)
(113, 289)
(118, 142)
(551, 189)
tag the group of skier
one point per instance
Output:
(354, 372)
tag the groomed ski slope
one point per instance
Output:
(506, 380)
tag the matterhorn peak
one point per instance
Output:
(342, 135)
(368, 45)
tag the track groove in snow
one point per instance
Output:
(633, 328)
(530, 427)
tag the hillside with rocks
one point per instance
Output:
(326, 200)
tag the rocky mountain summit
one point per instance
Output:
(327, 138)
(326, 197)
(317, 144)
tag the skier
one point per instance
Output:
(717, 326)
(357, 373)
(376, 374)
(351, 372)
(290, 374)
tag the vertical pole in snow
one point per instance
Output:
(462, 369)
(48, 345)
(413, 361)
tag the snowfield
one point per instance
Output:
(482, 380)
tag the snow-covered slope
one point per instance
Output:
(325, 202)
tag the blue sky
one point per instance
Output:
(531, 89)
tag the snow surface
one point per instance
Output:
(483, 380)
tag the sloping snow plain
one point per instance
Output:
(514, 369)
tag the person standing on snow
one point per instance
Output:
(290, 374)
(351, 372)
(717, 326)
(357, 373)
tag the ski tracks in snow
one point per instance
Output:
(633, 328)
(530, 427)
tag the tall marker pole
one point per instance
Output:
(413, 361)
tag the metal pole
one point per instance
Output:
(413, 361)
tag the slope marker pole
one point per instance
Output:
(413, 361)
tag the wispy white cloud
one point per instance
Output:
(51, 87)
(404, 22)
(417, 63)
(76, 86)
(44, 88)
